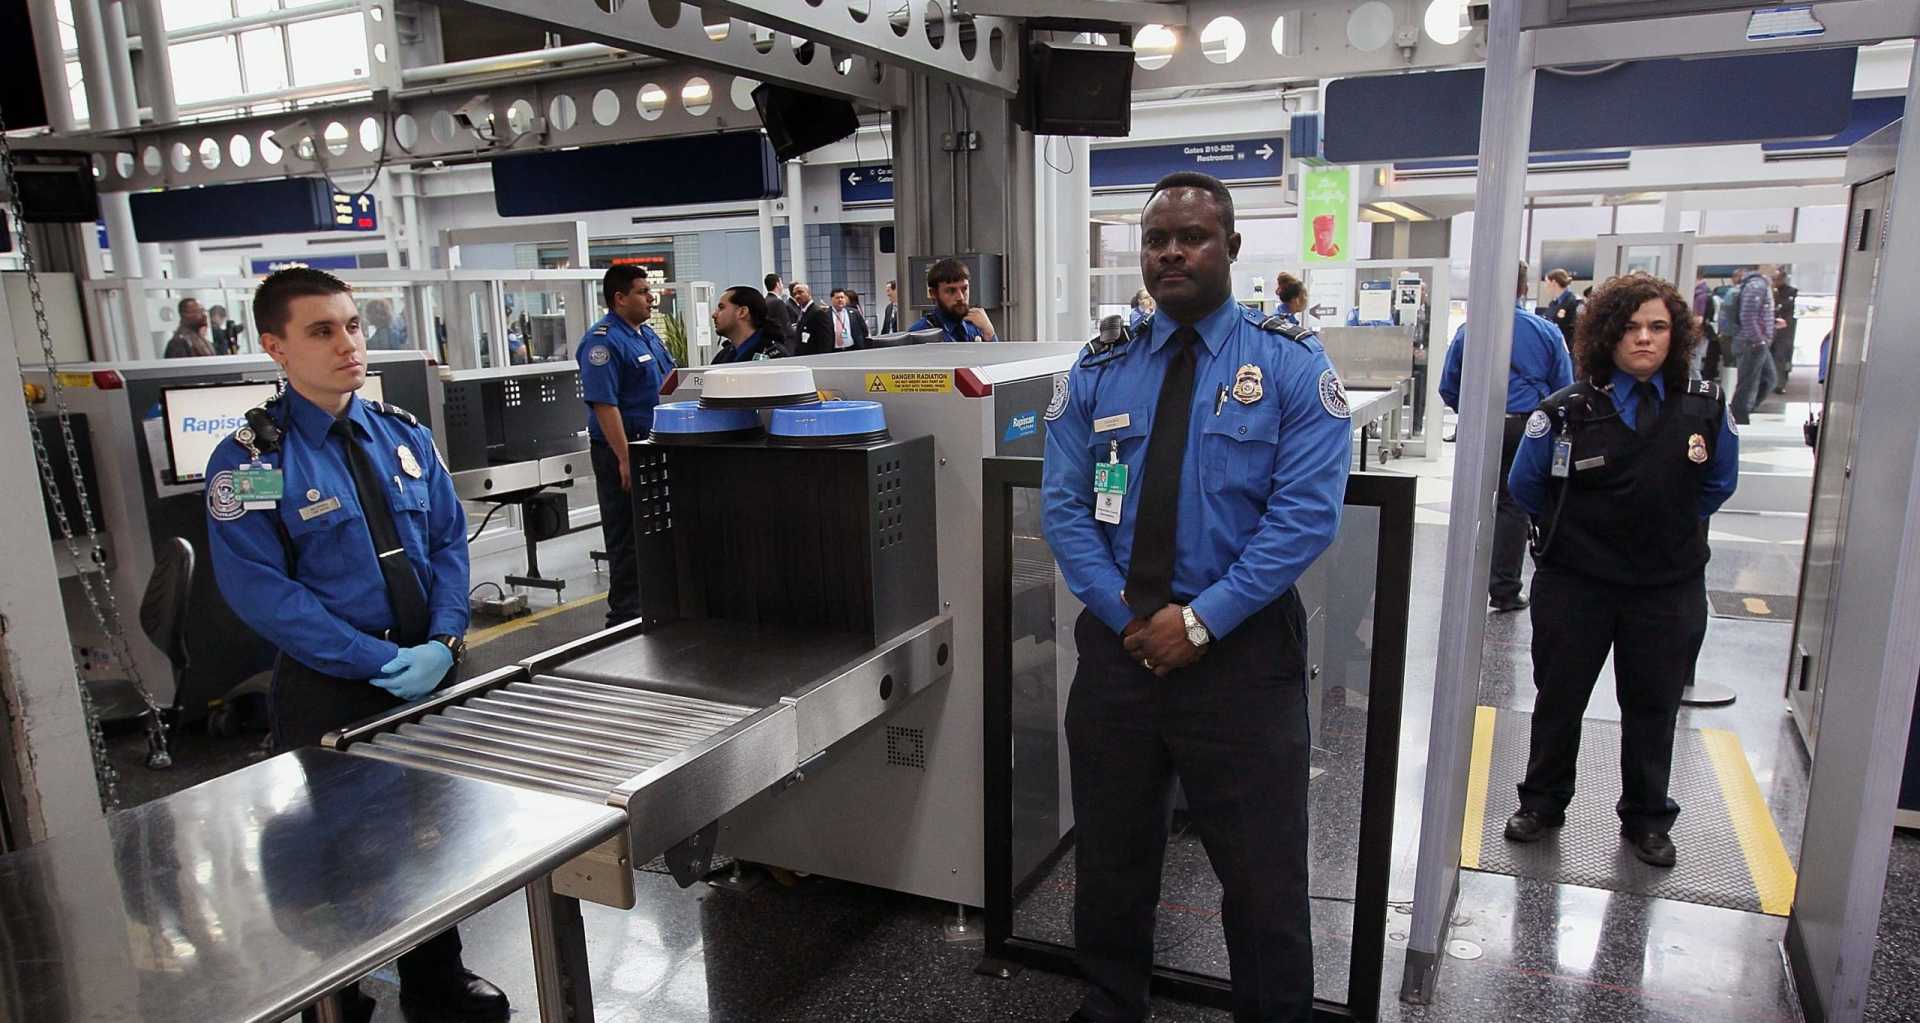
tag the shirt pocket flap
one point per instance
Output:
(1245, 423)
(412, 497)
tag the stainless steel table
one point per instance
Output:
(273, 887)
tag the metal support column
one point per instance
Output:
(113, 21)
(768, 263)
(559, 955)
(95, 74)
(156, 63)
(1875, 646)
(45, 15)
(1507, 111)
(796, 223)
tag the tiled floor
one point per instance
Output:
(822, 950)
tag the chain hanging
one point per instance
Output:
(105, 608)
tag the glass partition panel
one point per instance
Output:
(1356, 599)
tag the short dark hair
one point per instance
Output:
(1603, 323)
(1287, 287)
(619, 280)
(180, 307)
(273, 299)
(890, 284)
(1206, 183)
(752, 301)
(946, 271)
(218, 310)
(1560, 277)
(837, 291)
(1526, 278)
(772, 281)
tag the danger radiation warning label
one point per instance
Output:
(909, 383)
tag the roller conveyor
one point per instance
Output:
(678, 724)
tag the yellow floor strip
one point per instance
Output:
(1477, 770)
(493, 632)
(1767, 861)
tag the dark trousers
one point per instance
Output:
(1233, 728)
(1782, 349)
(1655, 633)
(1509, 520)
(305, 705)
(616, 526)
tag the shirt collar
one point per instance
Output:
(1213, 327)
(1623, 382)
(313, 422)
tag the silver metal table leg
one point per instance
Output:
(328, 1009)
(559, 955)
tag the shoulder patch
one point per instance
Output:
(395, 411)
(599, 331)
(222, 503)
(1538, 425)
(598, 355)
(1333, 395)
(1058, 406)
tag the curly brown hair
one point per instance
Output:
(1603, 323)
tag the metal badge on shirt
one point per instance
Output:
(408, 464)
(1697, 449)
(1247, 385)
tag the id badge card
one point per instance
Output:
(1562, 457)
(258, 487)
(1109, 491)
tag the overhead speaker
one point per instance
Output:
(801, 122)
(1076, 89)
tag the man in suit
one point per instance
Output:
(849, 326)
(814, 322)
(781, 319)
(890, 321)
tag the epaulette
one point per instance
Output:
(393, 410)
(1705, 388)
(599, 331)
(1292, 329)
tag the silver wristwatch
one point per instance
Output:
(1196, 631)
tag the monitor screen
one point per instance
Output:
(199, 417)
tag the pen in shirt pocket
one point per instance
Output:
(1220, 400)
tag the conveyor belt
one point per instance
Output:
(678, 724)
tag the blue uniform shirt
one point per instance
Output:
(1539, 365)
(956, 330)
(624, 367)
(1533, 460)
(320, 609)
(1261, 485)
(754, 347)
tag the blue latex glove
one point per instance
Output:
(415, 671)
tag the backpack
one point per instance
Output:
(1726, 320)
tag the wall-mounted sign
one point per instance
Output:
(1237, 160)
(871, 183)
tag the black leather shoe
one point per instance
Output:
(1654, 848)
(1528, 826)
(1509, 604)
(465, 998)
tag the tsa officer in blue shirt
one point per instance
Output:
(1537, 367)
(1620, 473)
(739, 317)
(1192, 474)
(622, 365)
(336, 535)
(949, 285)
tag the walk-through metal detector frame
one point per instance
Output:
(1394, 496)
(1834, 926)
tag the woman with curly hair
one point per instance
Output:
(1619, 473)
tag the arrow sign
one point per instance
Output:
(853, 177)
(1127, 168)
(345, 217)
(1265, 152)
(869, 184)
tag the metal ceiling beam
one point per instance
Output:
(678, 32)
(1125, 12)
(1276, 43)
(894, 32)
(528, 113)
(1848, 23)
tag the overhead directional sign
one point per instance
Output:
(262, 267)
(871, 183)
(355, 211)
(1125, 167)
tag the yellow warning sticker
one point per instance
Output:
(923, 382)
(76, 379)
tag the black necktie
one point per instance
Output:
(404, 592)
(1645, 409)
(1150, 571)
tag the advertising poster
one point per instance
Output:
(1326, 213)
